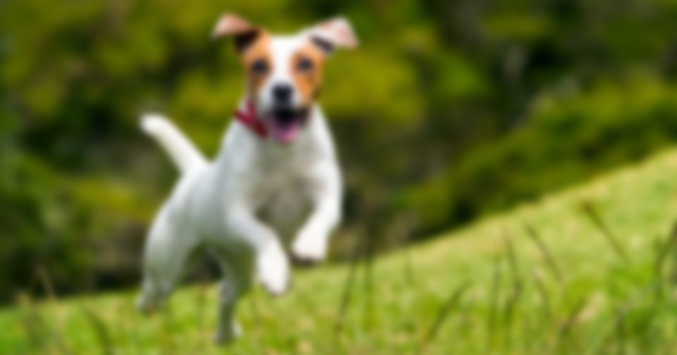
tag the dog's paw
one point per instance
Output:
(309, 250)
(273, 270)
(145, 305)
(228, 336)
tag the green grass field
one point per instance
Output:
(591, 270)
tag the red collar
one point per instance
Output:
(250, 118)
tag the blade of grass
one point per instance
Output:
(494, 305)
(549, 259)
(567, 326)
(347, 290)
(590, 210)
(53, 300)
(100, 329)
(517, 288)
(543, 293)
(452, 302)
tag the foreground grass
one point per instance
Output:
(587, 271)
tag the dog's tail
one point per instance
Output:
(180, 149)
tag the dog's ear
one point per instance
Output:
(332, 34)
(244, 33)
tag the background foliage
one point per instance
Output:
(448, 111)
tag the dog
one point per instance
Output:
(276, 163)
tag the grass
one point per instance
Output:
(590, 270)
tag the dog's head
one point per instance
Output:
(285, 72)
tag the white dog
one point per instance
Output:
(276, 163)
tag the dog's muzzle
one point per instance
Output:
(286, 123)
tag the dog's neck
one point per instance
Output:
(248, 116)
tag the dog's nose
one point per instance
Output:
(282, 93)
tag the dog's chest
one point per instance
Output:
(282, 199)
(276, 181)
(281, 189)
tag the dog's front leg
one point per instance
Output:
(311, 243)
(272, 266)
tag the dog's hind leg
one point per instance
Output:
(228, 329)
(236, 282)
(168, 246)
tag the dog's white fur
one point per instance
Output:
(222, 205)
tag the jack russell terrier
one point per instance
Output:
(276, 164)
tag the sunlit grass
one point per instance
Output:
(587, 271)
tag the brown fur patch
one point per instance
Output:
(308, 82)
(259, 50)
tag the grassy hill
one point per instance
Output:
(587, 271)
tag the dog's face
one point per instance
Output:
(285, 72)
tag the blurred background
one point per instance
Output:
(449, 110)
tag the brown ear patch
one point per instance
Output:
(246, 39)
(240, 29)
(308, 79)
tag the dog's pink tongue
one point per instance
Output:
(285, 133)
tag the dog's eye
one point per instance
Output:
(304, 65)
(260, 67)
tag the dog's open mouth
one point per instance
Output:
(285, 124)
